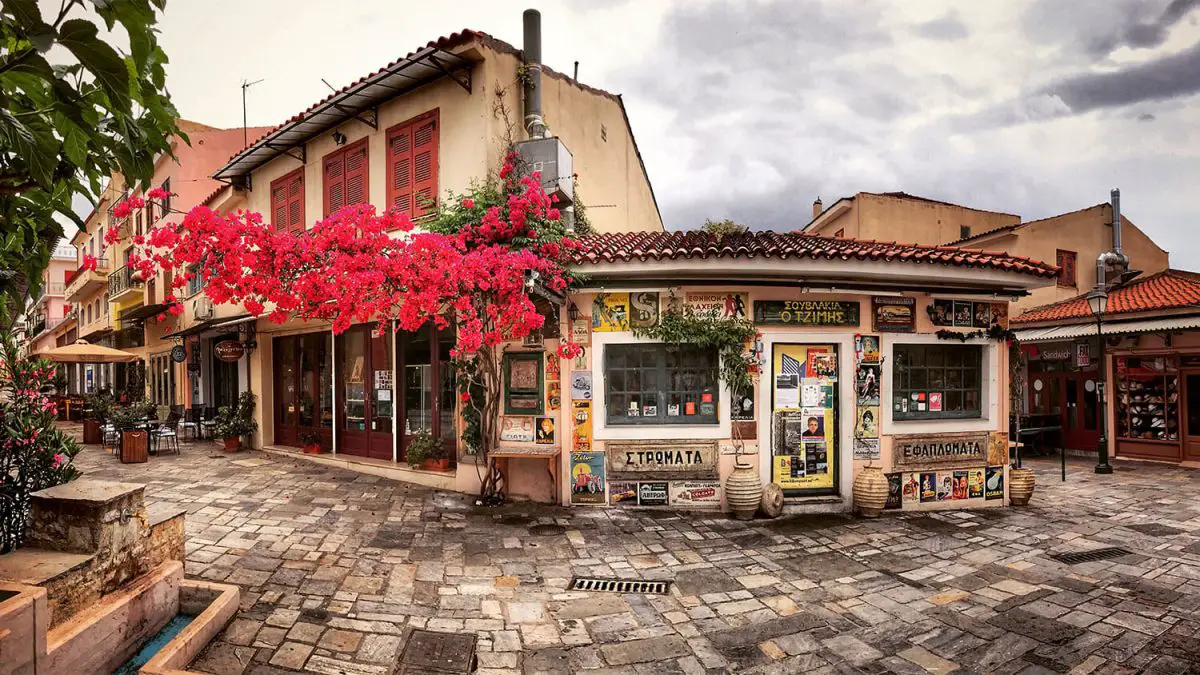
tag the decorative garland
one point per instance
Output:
(995, 332)
(728, 336)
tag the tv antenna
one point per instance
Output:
(245, 135)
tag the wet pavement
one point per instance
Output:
(342, 573)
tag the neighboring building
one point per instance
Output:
(1151, 357)
(897, 216)
(49, 308)
(418, 129)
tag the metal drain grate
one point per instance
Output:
(1076, 557)
(620, 585)
(546, 530)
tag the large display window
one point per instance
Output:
(1148, 398)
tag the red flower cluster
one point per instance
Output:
(90, 262)
(357, 265)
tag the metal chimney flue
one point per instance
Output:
(531, 56)
(1116, 221)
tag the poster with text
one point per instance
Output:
(544, 430)
(610, 312)
(516, 429)
(587, 478)
(867, 425)
(912, 488)
(653, 493)
(581, 385)
(945, 486)
(866, 448)
(866, 348)
(928, 487)
(623, 493)
(804, 436)
(581, 438)
(895, 487)
(643, 309)
(975, 483)
(717, 305)
(866, 384)
(994, 482)
(696, 494)
(960, 489)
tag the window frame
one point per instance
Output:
(196, 283)
(415, 213)
(286, 180)
(540, 392)
(901, 387)
(340, 155)
(1061, 255)
(660, 387)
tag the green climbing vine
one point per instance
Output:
(728, 336)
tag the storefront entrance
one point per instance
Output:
(1191, 402)
(365, 402)
(804, 418)
(1068, 399)
(224, 376)
(303, 388)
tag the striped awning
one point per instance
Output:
(1163, 325)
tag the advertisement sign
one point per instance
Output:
(610, 312)
(953, 450)
(894, 315)
(961, 313)
(544, 431)
(1083, 355)
(229, 350)
(624, 493)
(696, 494)
(643, 309)
(581, 385)
(581, 332)
(866, 348)
(994, 483)
(718, 305)
(587, 478)
(653, 494)
(866, 448)
(178, 353)
(806, 312)
(663, 457)
(582, 436)
(516, 429)
(894, 499)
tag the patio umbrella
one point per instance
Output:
(85, 352)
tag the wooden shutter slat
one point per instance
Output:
(287, 201)
(425, 166)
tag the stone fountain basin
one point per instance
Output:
(103, 636)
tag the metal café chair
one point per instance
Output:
(190, 422)
(167, 431)
(208, 423)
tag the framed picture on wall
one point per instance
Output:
(524, 392)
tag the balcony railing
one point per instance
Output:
(120, 281)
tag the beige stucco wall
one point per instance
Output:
(886, 218)
(1088, 233)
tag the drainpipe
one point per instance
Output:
(1117, 255)
(531, 56)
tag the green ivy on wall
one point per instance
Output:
(728, 336)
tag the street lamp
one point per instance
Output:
(1098, 302)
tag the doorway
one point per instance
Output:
(303, 388)
(366, 402)
(1191, 402)
(1068, 399)
(428, 396)
(804, 418)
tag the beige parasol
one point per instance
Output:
(85, 352)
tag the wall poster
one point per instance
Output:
(582, 436)
(895, 487)
(994, 483)
(581, 385)
(610, 312)
(961, 313)
(587, 478)
(866, 348)
(804, 417)
(516, 429)
(643, 309)
(867, 379)
(544, 431)
(894, 315)
(718, 305)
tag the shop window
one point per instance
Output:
(523, 383)
(660, 384)
(937, 381)
(195, 282)
(1066, 268)
(1148, 399)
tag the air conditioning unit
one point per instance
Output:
(202, 309)
(554, 161)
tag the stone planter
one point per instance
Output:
(870, 491)
(233, 444)
(1020, 486)
(743, 492)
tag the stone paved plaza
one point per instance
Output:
(337, 570)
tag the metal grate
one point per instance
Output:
(1077, 557)
(547, 530)
(620, 585)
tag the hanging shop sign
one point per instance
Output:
(806, 312)
(718, 305)
(229, 350)
(672, 458)
(894, 315)
(920, 451)
(1083, 355)
(179, 353)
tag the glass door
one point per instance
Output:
(1191, 399)
(428, 392)
(303, 388)
(804, 418)
(366, 391)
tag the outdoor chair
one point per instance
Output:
(190, 422)
(208, 423)
(110, 438)
(168, 433)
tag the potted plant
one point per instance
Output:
(100, 406)
(312, 443)
(437, 458)
(419, 449)
(236, 421)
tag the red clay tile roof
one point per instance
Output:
(697, 244)
(1170, 289)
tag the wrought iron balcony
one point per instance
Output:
(121, 281)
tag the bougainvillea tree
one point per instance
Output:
(477, 265)
(34, 455)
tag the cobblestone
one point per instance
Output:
(336, 569)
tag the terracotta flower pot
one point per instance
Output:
(233, 444)
(313, 449)
(870, 491)
(743, 492)
(1020, 486)
(442, 464)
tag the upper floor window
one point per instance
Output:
(1066, 268)
(287, 201)
(964, 231)
(195, 282)
(166, 201)
(346, 177)
(412, 166)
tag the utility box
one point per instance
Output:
(550, 157)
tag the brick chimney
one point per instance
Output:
(818, 207)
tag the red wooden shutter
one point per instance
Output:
(400, 186)
(425, 166)
(279, 203)
(335, 182)
(356, 174)
(287, 201)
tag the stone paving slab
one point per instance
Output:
(338, 568)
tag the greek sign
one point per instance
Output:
(894, 315)
(940, 450)
(718, 305)
(663, 457)
(806, 312)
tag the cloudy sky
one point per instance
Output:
(750, 110)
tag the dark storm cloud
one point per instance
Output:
(1097, 29)
(949, 28)
(1173, 76)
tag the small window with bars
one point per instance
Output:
(937, 381)
(660, 384)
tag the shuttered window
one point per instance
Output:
(287, 201)
(412, 166)
(346, 177)
(1066, 272)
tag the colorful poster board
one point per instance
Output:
(806, 312)
(516, 429)
(894, 315)
(587, 478)
(581, 438)
(804, 407)
(994, 483)
(718, 305)
(960, 313)
(544, 431)
(610, 312)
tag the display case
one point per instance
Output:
(1147, 400)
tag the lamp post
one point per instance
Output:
(1098, 303)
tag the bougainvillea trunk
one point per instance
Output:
(473, 266)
